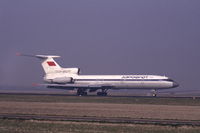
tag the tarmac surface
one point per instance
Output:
(58, 94)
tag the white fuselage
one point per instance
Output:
(126, 81)
(120, 81)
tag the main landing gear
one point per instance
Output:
(81, 92)
(102, 93)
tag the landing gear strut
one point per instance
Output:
(81, 92)
(102, 93)
(154, 93)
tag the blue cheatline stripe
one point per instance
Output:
(123, 80)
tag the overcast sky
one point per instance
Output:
(160, 37)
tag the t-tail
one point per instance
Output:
(50, 66)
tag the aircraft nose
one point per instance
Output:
(175, 84)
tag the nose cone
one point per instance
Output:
(175, 84)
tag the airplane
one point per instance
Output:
(70, 79)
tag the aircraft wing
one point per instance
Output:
(77, 86)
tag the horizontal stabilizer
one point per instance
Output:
(38, 56)
(47, 61)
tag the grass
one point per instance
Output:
(95, 99)
(32, 126)
(114, 110)
(133, 107)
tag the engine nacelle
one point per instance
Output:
(72, 70)
(62, 80)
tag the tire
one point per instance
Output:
(101, 94)
(81, 93)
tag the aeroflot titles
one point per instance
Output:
(134, 77)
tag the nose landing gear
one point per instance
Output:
(154, 93)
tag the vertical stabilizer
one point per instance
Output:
(48, 63)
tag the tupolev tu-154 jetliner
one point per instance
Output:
(70, 78)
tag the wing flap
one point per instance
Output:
(76, 86)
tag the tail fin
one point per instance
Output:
(48, 63)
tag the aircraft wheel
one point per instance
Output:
(154, 95)
(98, 93)
(80, 92)
(101, 94)
(105, 94)
(84, 93)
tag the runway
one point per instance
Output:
(58, 94)
(100, 119)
